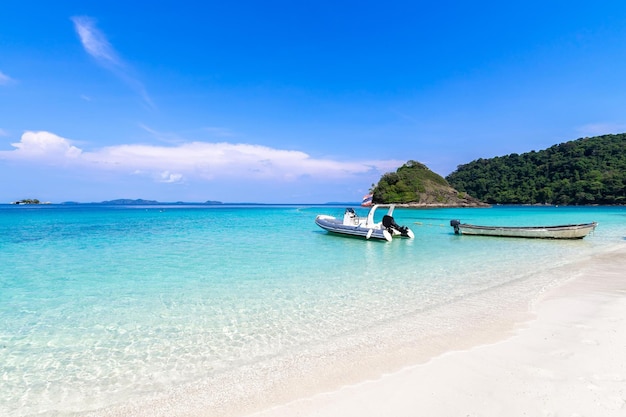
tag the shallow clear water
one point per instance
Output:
(104, 304)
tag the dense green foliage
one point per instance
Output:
(413, 182)
(584, 171)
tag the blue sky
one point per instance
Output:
(291, 101)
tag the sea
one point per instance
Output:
(104, 306)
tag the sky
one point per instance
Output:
(291, 101)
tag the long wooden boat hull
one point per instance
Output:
(568, 231)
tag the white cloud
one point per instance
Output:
(169, 177)
(96, 44)
(5, 79)
(44, 146)
(198, 160)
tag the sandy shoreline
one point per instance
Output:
(568, 361)
(565, 357)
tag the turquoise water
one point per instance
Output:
(102, 305)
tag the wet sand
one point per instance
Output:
(562, 355)
(568, 360)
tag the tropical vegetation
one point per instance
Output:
(414, 183)
(580, 172)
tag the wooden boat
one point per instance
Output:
(353, 225)
(567, 231)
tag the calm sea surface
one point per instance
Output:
(101, 305)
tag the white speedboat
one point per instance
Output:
(353, 225)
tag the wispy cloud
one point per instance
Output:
(596, 129)
(163, 136)
(94, 41)
(194, 160)
(219, 132)
(96, 44)
(208, 133)
(5, 79)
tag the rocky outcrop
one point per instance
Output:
(414, 185)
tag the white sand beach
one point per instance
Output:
(565, 358)
(568, 361)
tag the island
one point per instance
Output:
(30, 201)
(414, 185)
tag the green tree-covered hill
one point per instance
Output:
(583, 171)
(414, 184)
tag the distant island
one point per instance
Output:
(121, 202)
(29, 201)
(141, 202)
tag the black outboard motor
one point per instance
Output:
(389, 223)
(455, 224)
